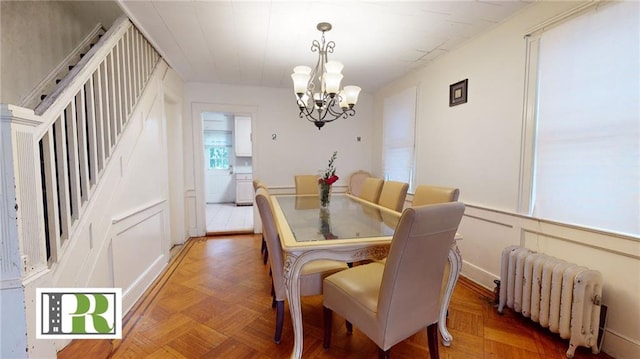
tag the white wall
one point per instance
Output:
(52, 32)
(476, 146)
(299, 146)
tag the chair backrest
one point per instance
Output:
(426, 194)
(410, 290)
(393, 195)
(257, 184)
(306, 184)
(271, 237)
(370, 190)
(356, 180)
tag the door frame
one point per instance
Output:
(197, 108)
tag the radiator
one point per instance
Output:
(561, 296)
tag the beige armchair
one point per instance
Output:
(393, 195)
(306, 184)
(391, 302)
(370, 190)
(356, 179)
(312, 273)
(426, 194)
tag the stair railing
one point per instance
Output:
(62, 147)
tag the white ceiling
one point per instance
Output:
(257, 43)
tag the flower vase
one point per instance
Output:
(325, 195)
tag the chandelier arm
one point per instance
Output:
(334, 116)
(333, 108)
(330, 46)
(307, 114)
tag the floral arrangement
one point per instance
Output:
(328, 178)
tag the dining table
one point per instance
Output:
(349, 229)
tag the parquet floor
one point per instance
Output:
(214, 302)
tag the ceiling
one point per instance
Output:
(257, 43)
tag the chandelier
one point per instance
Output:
(318, 93)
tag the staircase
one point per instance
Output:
(62, 160)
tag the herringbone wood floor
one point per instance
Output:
(214, 301)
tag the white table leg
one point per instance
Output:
(455, 262)
(292, 268)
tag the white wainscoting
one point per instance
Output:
(137, 250)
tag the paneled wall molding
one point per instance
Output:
(586, 241)
(479, 218)
(471, 208)
(138, 252)
(122, 220)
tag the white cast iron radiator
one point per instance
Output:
(561, 296)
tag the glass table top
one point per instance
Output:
(345, 218)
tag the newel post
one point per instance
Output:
(22, 247)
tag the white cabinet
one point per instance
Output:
(243, 136)
(244, 189)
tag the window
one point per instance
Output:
(583, 114)
(217, 145)
(399, 133)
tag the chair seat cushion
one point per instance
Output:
(357, 287)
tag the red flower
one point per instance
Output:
(331, 180)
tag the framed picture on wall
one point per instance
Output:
(458, 93)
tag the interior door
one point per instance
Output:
(219, 173)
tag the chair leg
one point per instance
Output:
(432, 339)
(384, 354)
(263, 247)
(279, 320)
(328, 321)
(265, 256)
(349, 327)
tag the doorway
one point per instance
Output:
(222, 167)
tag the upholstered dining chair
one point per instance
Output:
(370, 190)
(391, 302)
(426, 194)
(306, 184)
(393, 194)
(312, 273)
(263, 248)
(356, 179)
